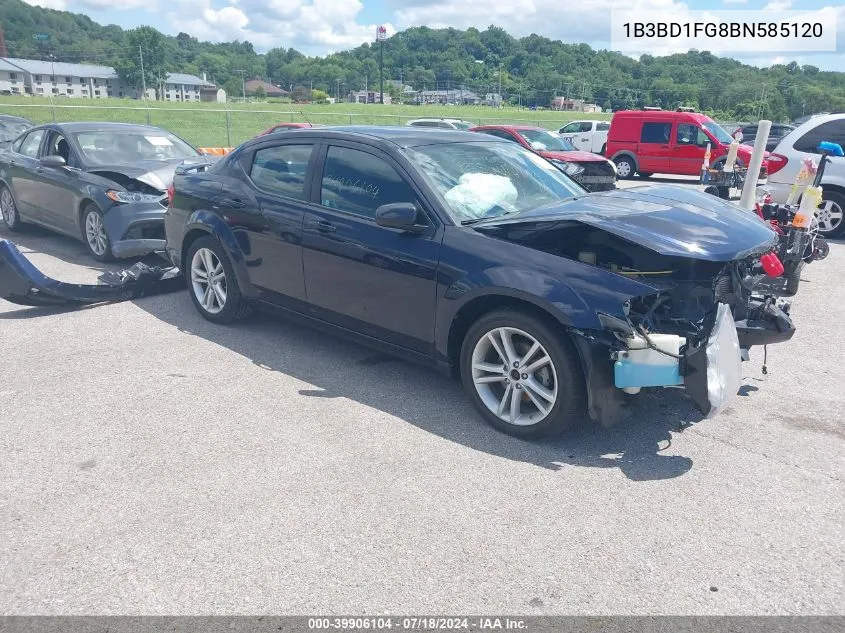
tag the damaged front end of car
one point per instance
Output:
(707, 267)
(691, 334)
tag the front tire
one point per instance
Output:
(9, 210)
(625, 167)
(94, 234)
(212, 283)
(522, 377)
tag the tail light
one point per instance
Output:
(776, 163)
(171, 191)
(772, 265)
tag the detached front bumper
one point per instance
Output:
(22, 283)
(135, 229)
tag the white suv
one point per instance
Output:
(786, 160)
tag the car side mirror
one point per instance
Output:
(399, 215)
(52, 161)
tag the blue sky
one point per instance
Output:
(317, 27)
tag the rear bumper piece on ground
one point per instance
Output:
(135, 229)
(22, 283)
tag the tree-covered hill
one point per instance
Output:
(533, 69)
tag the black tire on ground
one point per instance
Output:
(9, 210)
(235, 307)
(102, 252)
(603, 151)
(838, 200)
(793, 280)
(645, 174)
(625, 167)
(569, 406)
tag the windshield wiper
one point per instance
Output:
(486, 218)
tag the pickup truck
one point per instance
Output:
(588, 136)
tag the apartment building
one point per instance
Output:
(88, 81)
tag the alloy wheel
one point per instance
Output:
(208, 280)
(95, 233)
(514, 376)
(829, 216)
(7, 207)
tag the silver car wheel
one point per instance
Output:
(514, 376)
(829, 216)
(208, 279)
(7, 207)
(95, 233)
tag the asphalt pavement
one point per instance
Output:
(154, 463)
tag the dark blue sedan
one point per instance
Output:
(479, 257)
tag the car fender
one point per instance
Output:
(575, 300)
(213, 224)
(626, 152)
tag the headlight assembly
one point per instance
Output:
(130, 196)
(570, 169)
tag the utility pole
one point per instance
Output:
(501, 98)
(337, 93)
(143, 75)
(381, 35)
(243, 81)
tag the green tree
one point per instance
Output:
(149, 45)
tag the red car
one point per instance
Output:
(667, 142)
(287, 126)
(591, 171)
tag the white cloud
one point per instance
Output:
(59, 5)
(116, 5)
(311, 26)
(778, 5)
(590, 22)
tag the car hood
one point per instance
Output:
(667, 219)
(155, 173)
(575, 156)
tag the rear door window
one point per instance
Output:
(656, 133)
(602, 127)
(282, 170)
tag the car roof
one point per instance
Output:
(14, 119)
(666, 114)
(401, 136)
(100, 126)
(449, 119)
(508, 127)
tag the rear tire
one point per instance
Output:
(832, 213)
(548, 382)
(9, 210)
(212, 283)
(625, 167)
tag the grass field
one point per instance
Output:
(223, 125)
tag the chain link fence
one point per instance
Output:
(216, 126)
